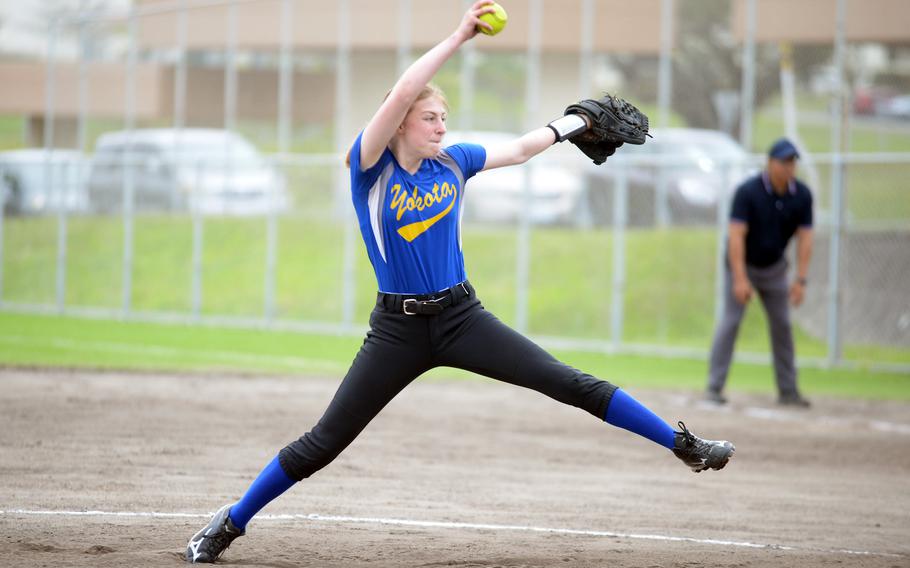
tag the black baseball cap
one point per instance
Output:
(783, 149)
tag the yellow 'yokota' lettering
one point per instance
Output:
(414, 230)
(398, 198)
(402, 202)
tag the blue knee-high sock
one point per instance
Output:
(271, 483)
(626, 412)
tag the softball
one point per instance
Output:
(497, 19)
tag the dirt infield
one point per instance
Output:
(452, 474)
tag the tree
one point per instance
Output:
(707, 60)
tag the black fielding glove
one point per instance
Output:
(613, 123)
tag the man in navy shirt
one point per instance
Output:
(767, 211)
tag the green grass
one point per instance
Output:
(670, 274)
(668, 300)
(769, 126)
(12, 132)
(42, 341)
(34, 340)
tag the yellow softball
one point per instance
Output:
(497, 19)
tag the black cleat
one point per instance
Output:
(715, 397)
(793, 399)
(208, 544)
(700, 454)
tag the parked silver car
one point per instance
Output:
(895, 107)
(498, 196)
(212, 172)
(676, 177)
(35, 181)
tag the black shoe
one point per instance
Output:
(208, 544)
(793, 399)
(714, 396)
(701, 454)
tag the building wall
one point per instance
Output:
(25, 89)
(24, 93)
(813, 21)
(619, 25)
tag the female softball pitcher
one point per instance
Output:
(408, 190)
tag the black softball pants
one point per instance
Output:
(398, 348)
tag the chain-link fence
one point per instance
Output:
(192, 171)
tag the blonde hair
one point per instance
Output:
(428, 90)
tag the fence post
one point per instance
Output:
(62, 189)
(271, 254)
(620, 218)
(128, 210)
(838, 192)
(532, 102)
(523, 252)
(747, 94)
(664, 102)
(467, 76)
(661, 197)
(588, 12)
(834, 253)
(342, 104)
(130, 163)
(665, 67)
(193, 201)
(285, 101)
(50, 100)
(720, 262)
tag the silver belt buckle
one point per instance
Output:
(406, 303)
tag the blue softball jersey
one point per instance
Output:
(411, 224)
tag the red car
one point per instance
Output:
(870, 100)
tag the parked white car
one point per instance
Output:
(35, 181)
(498, 196)
(212, 172)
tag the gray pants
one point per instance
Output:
(770, 283)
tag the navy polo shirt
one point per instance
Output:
(772, 218)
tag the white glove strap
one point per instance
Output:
(568, 126)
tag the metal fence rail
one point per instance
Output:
(624, 281)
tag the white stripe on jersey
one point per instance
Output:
(375, 202)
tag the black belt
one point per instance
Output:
(425, 304)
